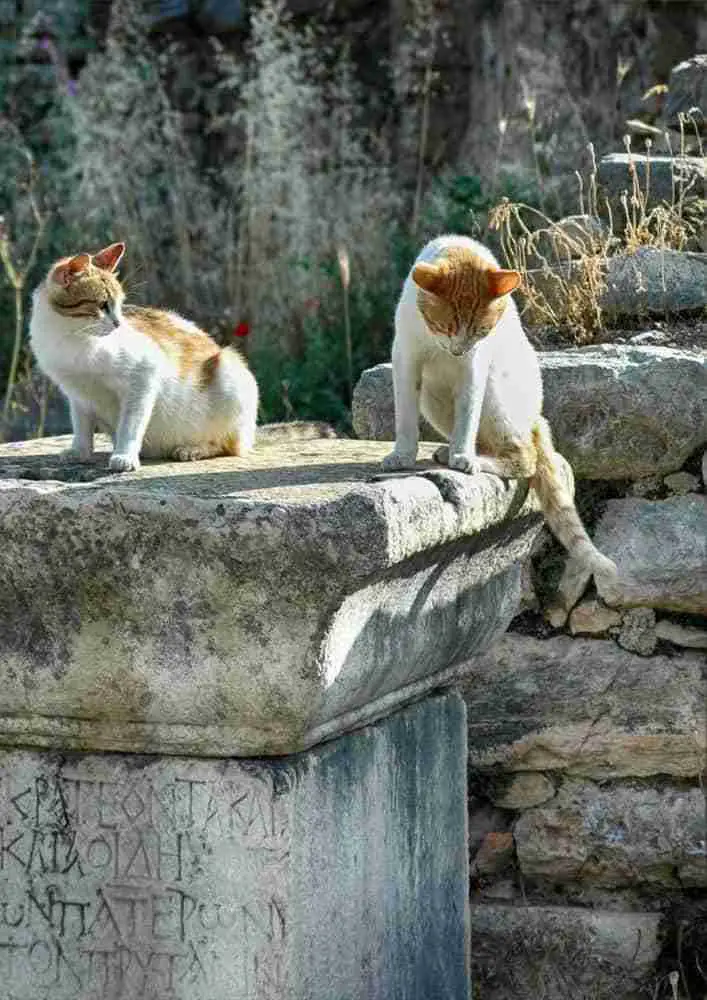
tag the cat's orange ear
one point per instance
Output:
(67, 270)
(109, 258)
(501, 282)
(430, 278)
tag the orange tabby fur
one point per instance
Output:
(160, 384)
(460, 355)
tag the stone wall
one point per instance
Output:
(588, 732)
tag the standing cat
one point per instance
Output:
(160, 385)
(461, 356)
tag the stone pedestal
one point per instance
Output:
(340, 872)
(292, 610)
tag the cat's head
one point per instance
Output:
(462, 297)
(86, 287)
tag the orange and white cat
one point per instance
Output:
(156, 382)
(461, 356)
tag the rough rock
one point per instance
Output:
(584, 707)
(681, 635)
(704, 470)
(242, 606)
(637, 632)
(648, 281)
(687, 89)
(616, 835)
(523, 790)
(660, 548)
(568, 238)
(649, 486)
(527, 952)
(664, 178)
(617, 411)
(593, 618)
(138, 877)
(680, 483)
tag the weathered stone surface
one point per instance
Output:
(585, 707)
(568, 238)
(127, 878)
(523, 791)
(687, 89)
(593, 618)
(681, 635)
(528, 952)
(664, 178)
(660, 548)
(373, 407)
(617, 411)
(616, 835)
(637, 632)
(680, 483)
(649, 281)
(242, 606)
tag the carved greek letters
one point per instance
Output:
(162, 881)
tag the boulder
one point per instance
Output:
(616, 835)
(522, 790)
(637, 632)
(680, 483)
(624, 412)
(584, 707)
(687, 89)
(660, 178)
(660, 548)
(685, 636)
(555, 952)
(650, 281)
(617, 411)
(593, 618)
(568, 238)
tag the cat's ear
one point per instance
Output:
(109, 258)
(502, 282)
(65, 272)
(430, 278)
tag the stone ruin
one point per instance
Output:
(265, 732)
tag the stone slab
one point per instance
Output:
(242, 606)
(660, 547)
(616, 411)
(648, 281)
(585, 707)
(616, 835)
(556, 952)
(341, 872)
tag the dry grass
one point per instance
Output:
(564, 268)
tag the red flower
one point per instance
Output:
(242, 330)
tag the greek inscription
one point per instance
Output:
(152, 884)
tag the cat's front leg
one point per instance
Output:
(83, 424)
(467, 417)
(135, 412)
(406, 387)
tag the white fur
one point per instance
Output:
(120, 379)
(493, 391)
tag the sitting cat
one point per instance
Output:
(461, 356)
(160, 385)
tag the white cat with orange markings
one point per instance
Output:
(156, 382)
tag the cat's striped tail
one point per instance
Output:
(557, 502)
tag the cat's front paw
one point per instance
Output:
(398, 460)
(464, 463)
(123, 462)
